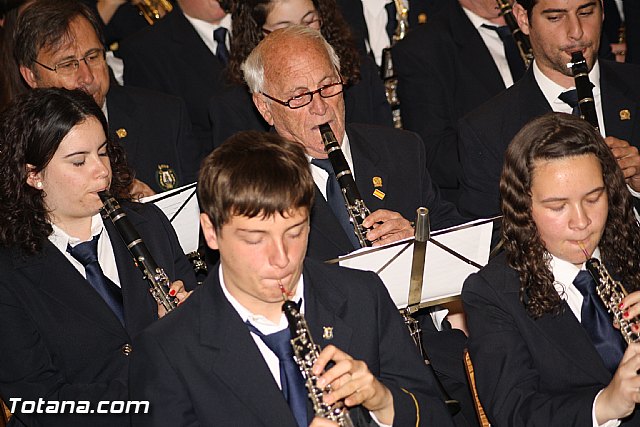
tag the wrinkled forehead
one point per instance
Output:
(309, 62)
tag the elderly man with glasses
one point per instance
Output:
(60, 44)
(293, 75)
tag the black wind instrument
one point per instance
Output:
(155, 275)
(356, 208)
(521, 39)
(584, 88)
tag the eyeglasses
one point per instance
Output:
(312, 21)
(93, 59)
(299, 101)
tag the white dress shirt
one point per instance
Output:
(205, 30)
(564, 274)
(320, 176)
(492, 40)
(377, 19)
(266, 327)
(106, 257)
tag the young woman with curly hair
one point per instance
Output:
(68, 319)
(545, 351)
(364, 94)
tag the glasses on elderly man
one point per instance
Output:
(299, 101)
(93, 59)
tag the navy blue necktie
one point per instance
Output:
(220, 36)
(511, 52)
(291, 380)
(87, 254)
(598, 323)
(570, 97)
(335, 199)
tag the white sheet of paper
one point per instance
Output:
(444, 273)
(180, 205)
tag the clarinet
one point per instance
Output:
(521, 39)
(386, 69)
(611, 292)
(155, 275)
(305, 353)
(580, 71)
(356, 208)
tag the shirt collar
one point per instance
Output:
(477, 21)
(565, 272)
(205, 29)
(551, 90)
(346, 151)
(61, 239)
(261, 322)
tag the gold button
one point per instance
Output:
(127, 349)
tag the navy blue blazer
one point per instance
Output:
(395, 157)
(200, 365)
(155, 131)
(444, 71)
(486, 132)
(543, 372)
(171, 57)
(59, 340)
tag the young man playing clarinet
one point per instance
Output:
(215, 362)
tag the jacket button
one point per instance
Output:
(127, 349)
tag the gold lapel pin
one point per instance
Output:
(122, 132)
(377, 181)
(379, 194)
(625, 114)
(327, 332)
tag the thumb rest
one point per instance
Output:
(153, 10)
(305, 353)
(611, 292)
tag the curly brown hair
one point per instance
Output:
(249, 16)
(555, 136)
(31, 130)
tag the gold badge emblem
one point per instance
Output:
(166, 177)
(379, 194)
(122, 133)
(422, 18)
(327, 332)
(377, 181)
(625, 114)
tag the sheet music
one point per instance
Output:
(180, 205)
(444, 273)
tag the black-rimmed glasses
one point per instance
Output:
(93, 59)
(299, 101)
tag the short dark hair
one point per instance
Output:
(556, 136)
(44, 24)
(255, 174)
(31, 130)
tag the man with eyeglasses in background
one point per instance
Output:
(59, 43)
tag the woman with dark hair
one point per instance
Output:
(71, 299)
(364, 95)
(545, 351)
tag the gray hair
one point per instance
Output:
(253, 66)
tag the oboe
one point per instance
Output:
(356, 208)
(155, 275)
(521, 39)
(305, 353)
(584, 88)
